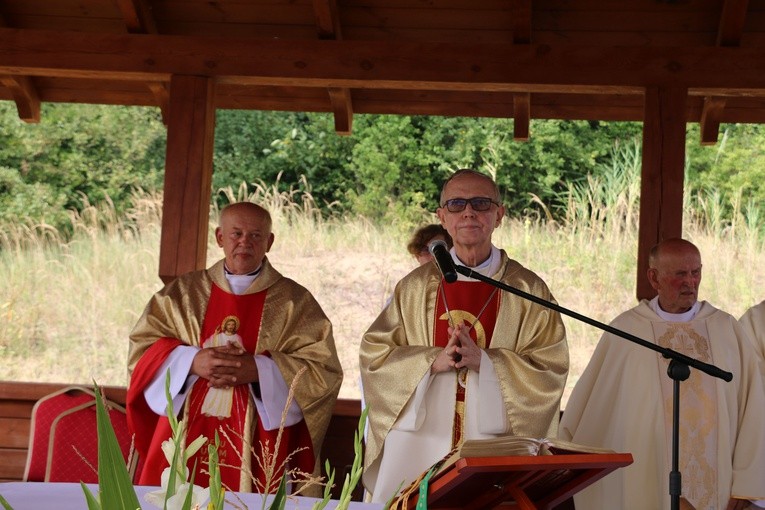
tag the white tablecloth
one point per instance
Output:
(69, 496)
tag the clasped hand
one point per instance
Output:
(460, 346)
(225, 366)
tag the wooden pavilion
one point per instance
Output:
(662, 62)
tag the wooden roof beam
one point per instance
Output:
(729, 33)
(25, 96)
(329, 28)
(404, 65)
(138, 17)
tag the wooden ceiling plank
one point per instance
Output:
(662, 178)
(732, 22)
(710, 119)
(342, 110)
(138, 16)
(521, 116)
(25, 96)
(376, 64)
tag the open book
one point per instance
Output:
(505, 446)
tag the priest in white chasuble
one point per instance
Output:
(623, 400)
(445, 362)
(753, 322)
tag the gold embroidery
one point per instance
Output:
(698, 411)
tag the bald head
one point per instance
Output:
(675, 273)
(469, 172)
(244, 233)
(247, 209)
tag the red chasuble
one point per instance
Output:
(475, 304)
(237, 319)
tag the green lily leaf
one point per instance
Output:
(115, 485)
(280, 498)
(93, 503)
(4, 502)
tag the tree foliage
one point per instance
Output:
(389, 169)
(76, 154)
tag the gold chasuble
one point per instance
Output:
(475, 304)
(274, 317)
(524, 363)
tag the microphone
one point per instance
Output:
(443, 259)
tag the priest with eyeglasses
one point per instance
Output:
(445, 362)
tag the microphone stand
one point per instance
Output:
(678, 369)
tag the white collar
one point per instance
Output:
(488, 267)
(674, 317)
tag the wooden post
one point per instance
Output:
(661, 193)
(188, 176)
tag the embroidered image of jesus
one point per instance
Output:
(218, 400)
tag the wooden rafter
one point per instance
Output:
(732, 22)
(25, 96)
(327, 20)
(521, 116)
(329, 28)
(521, 13)
(729, 34)
(341, 109)
(138, 17)
(23, 91)
(710, 119)
(162, 96)
(139, 20)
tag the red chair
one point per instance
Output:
(63, 441)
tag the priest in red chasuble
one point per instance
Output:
(446, 362)
(233, 337)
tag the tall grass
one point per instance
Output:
(67, 306)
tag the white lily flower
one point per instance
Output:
(194, 447)
(168, 448)
(199, 496)
(157, 498)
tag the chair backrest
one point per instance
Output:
(63, 442)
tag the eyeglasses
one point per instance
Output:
(479, 204)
